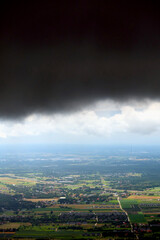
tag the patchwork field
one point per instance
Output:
(78, 199)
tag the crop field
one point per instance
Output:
(40, 199)
(86, 206)
(59, 210)
(151, 213)
(126, 203)
(154, 190)
(79, 208)
(50, 234)
(143, 197)
(13, 225)
(17, 181)
(78, 199)
(147, 201)
(137, 217)
(151, 216)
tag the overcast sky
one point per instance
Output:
(80, 71)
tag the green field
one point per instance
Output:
(45, 210)
(127, 203)
(48, 234)
(137, 217)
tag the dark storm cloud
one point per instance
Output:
(60, 55)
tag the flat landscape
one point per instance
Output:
(80, 196)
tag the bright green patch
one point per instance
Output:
(137, 218)
(127, 203)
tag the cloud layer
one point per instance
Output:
(95, 124)
(59, 57)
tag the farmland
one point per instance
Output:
(97, 198)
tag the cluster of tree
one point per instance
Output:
(14, 202)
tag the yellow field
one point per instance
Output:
(7, 233)
(40, 199)
(143, 197)
(16, 181)
(13, 225)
